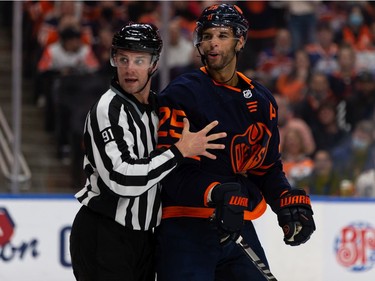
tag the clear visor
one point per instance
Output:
(196, 39)
(132, 60)
(224, 35)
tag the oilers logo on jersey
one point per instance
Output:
(249, 150)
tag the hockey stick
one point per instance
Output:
(255, 259)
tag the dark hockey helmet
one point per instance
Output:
(141, 37)
(221, 15)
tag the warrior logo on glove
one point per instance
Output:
(294, 199)
(295, 216)
(239, 201)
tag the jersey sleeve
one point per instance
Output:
(270, 177)
(114, 141)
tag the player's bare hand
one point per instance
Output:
(192, 144)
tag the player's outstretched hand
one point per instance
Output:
(193, 144)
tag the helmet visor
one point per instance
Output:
(134, 60)
(207, 37)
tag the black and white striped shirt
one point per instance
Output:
(123, 169)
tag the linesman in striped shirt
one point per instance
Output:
(112, 234)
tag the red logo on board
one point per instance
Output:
(6, 227)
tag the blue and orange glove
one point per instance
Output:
(230, 204)
(295, 216)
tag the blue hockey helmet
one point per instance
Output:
(226, 15)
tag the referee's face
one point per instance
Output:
(132, 70)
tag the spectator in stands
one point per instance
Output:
(106, 15)
(357, 153)
(334, 13)
(263, 19)
(35, 13)
(327, 133)
(342, 83)
(318, 92)
(287, 120)
(342, 80)
(69, 53)
(52, 25)
(356, 32)
(323, 52)
(67, 57)
(302, 22)
(293, 85)
(277, 59)
(324, 180)
(366, 57)
(297, 163)
(361, 105)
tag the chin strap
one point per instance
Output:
(203, 57)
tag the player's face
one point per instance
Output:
(132, 70)
(218, 45)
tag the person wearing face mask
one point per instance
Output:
(356, 32)
(357, 153)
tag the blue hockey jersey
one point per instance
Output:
(248, 114)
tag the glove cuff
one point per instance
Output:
(208, 194)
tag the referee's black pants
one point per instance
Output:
(103, 250)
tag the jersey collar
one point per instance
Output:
(240, 75)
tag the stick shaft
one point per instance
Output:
(255, 259)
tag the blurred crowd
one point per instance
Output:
(317, 58)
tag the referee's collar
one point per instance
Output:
(152, 103)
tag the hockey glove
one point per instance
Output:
(295, 216)
(229, 203)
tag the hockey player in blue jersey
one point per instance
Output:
(208, 204)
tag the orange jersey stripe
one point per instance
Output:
(204, 213)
